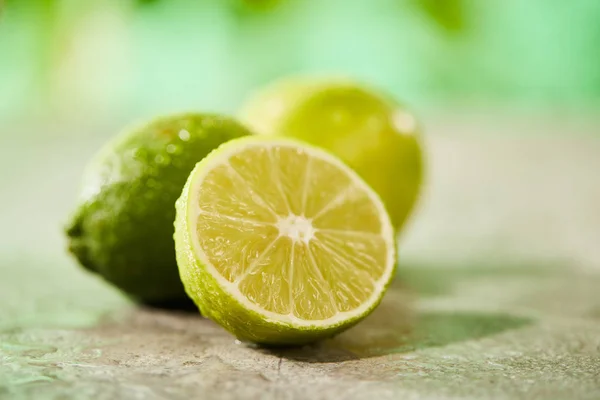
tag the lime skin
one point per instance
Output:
(123, 228)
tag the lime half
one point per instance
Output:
(280, 242)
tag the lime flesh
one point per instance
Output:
(280, 242)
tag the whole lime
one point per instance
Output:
(366, 128)
(123, 228)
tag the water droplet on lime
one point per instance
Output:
(184, 135)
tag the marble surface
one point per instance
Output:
(496, 295)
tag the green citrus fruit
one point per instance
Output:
(123, 228)
(280, 242)
(368, 130)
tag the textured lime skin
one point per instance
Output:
(123, 229)
(217, 304)
(354, 122)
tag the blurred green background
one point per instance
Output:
(123, 59)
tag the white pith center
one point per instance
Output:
(297, 228)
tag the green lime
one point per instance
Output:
(368, 130)
(280, 242)
(123, 228)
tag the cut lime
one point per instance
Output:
(368, 130)
(280, 242)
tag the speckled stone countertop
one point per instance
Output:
(497, 294)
